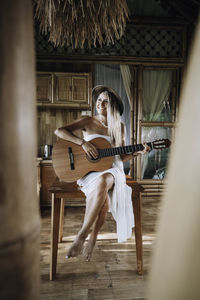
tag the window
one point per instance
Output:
(157, 115)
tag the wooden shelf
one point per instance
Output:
(67, 106)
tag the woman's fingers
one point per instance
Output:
(146, 148)
(91, 150)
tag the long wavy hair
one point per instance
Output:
(114, 120)
(114, 111)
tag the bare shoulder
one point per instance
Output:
(87, 121)
(79, 124)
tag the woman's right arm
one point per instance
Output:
(66, 133)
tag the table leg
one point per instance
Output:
(62, 211)
(55, 219)
(136, 197)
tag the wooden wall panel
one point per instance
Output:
(49, 119)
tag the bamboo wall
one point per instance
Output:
(48, 119)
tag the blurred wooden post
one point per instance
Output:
(19, 211)
(176, 261)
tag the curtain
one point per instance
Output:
(126, 75)
(157, 86)
(156, 92)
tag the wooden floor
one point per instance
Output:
(111, 273)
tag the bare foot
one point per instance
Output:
(76, 247)
(88, 249)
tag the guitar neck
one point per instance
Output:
(122, 150)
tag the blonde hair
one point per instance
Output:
(114, 121)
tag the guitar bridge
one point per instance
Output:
(71, 158)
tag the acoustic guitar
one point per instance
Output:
(70, 161)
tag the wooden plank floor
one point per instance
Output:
(111, 273)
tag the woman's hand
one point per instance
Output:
(90, 149)
(146, 150)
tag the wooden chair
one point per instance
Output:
(61, 191)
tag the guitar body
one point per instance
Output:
(70, 161)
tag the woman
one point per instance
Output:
(105, 191)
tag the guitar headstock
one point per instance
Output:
(161, 144)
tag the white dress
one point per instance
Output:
(120, 201)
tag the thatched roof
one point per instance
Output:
(83, 22)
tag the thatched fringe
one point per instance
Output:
(72, 23)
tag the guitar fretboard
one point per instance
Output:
(121, 150)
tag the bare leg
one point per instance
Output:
(95, 204)
(87, 251)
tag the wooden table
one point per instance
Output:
(63, 190)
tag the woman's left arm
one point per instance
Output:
(126, 157)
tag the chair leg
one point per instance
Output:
(138, 230)
(62, 211)
(55, 219)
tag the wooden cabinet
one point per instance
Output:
(44, 85)
(70, 88)
(47, 178)
(64, 89)
(80, 89)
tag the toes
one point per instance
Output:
(87, 251)
(88, 258)
(75, 249)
